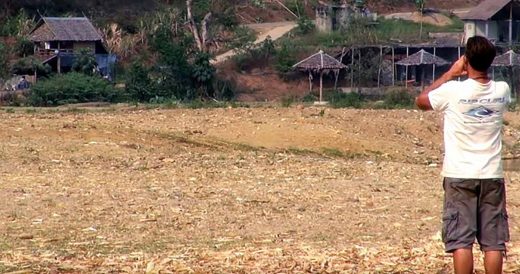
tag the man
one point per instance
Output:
(474, 191)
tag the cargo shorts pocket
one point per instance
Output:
(450, 221)
(503, 227)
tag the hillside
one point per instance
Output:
(127, 11)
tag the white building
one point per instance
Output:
(498, 20)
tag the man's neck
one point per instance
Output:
(479, 76)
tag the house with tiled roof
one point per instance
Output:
(58, 40)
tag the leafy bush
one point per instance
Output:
(286, 57)
(305, 25)
(345, 100)
(30, 65)
(3, 61)
(139, 86)
(203, 73)
(71, 88)
(224, 89)
(24, 47)
(85, 62)
(398, 98)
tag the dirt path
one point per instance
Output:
(273, 30)
(433, 18)
(260, 190)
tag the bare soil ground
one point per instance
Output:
(248, 190)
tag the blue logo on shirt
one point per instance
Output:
(481, 112)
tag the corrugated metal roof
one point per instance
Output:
(485, 10)
(65, 29)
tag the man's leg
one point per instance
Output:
(463, 261)
(493, 225)
(493, 261)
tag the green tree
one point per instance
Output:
(31, 65)
(173, 69)
(139, 86)
(85, 62)
(203, 73)
(3, 61)
(286, 57)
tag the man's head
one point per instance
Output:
(480, 53)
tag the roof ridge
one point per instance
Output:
(45, 22)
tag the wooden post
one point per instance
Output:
(511, 23)
(359, 70)
(59, 59)
(321, 85)
(406, 68)
(352, 69)
(434, 66)
(310, 81)
(380, 64)
(393, 66)
(406, 78)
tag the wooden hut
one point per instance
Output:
(319, 63)
(509, 60)
(421, 59)
(57, 40)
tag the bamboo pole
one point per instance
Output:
(434, 66)
(352, 69)
(406, 68)
(393, 66)
(310, 81)
(380, 64)
(321, 86)
(511, 24)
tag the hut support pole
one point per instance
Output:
(352, 70)
(321, 86)
(422, 78)
(510, 23)
(406, 78)
(406, 68)
(393, 66)
(359, 70)
(434, 66)
(59, 59)
(310, 81)
(380, 64)
(336, 74)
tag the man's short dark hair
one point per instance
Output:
(480, 53)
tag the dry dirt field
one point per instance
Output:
(246, 190)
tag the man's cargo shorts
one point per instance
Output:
(475, 208)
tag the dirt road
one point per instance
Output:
(272, 30)
(248, 190)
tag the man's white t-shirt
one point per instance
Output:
(473, 119)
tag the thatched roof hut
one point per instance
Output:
(319, 63)
(420, 59)
(508, 59)
(423, 58)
